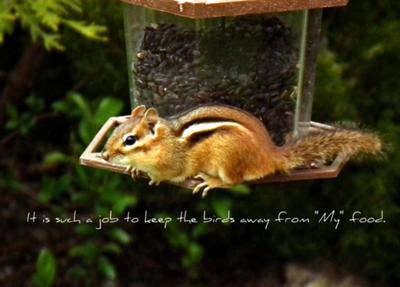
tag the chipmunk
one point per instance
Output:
(221, 145)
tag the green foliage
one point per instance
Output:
(75, 119)
(6, 19)
(24, 122)
(221, 206)
(56, 158)
(119, 235)
(95, 254)
(357, 80)
(188, 239)
(365, 91)
(107, 268)
(187, 242)
(109, 192)
(44, 19)
(332, 100)
(76, 106)
(241, 189)
(46, 269)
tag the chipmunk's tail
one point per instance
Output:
(325, 146)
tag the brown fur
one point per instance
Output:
(227, 154)
(325, 146)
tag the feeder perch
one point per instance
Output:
(259, 56)
(92, 157)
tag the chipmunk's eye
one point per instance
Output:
(130, 140)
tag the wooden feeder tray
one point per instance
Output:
(200, 9)
(92, 157)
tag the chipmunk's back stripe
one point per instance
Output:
(199, 137)
(205, 120)
(207, 127)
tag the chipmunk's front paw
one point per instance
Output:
(133, 172)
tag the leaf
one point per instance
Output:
(12, 112)
(176, 236)
(52, 41)
(81, 104)
(45, 269)
(51, 20)
(7, 19)
(88, 252)
(108, 107)
(60, 106)
(44, 18)
(91, 31)
(112, 248)
(86, 230)
(86, 131)
(11, 125)
(241, 189)
(107, 268)
(120, 236)
(194, 254)
(222, 206)
(199, 230)
(74, 5)
(55, 158)
(42, 7)
(123, 203)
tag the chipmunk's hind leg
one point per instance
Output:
(209, 182)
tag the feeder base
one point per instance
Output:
(92, 157)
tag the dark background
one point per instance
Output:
(57, 91)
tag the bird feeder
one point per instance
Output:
(258, 55)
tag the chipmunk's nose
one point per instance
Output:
(105, 155)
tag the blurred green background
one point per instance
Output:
(57, 90)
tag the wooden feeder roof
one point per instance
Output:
(200, 9)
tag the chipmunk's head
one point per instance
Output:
(133, 140)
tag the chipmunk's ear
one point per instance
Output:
(138, 111)
(151, 116)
